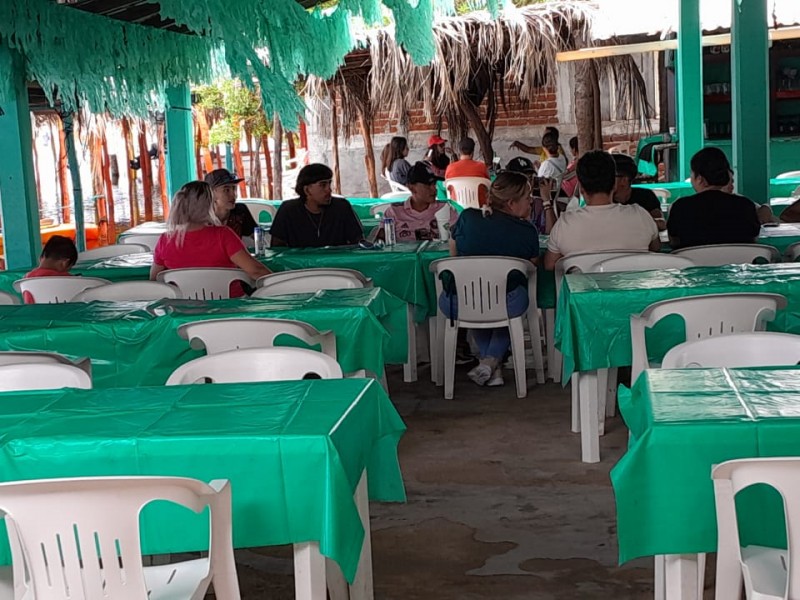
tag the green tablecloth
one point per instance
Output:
(593, 316)
(136, 343)
(684, 421)
(293, 452)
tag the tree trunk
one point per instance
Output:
(290, 145)
(337, 178)
(268, 161)
(369, 154)
(277, 158)
(218, 156)
(255, 168)
(147, 171)
(597, 113)
(36, 172)
(95, 146)
(304, 140)
(106, 168)
(478, 126)
(63, 181)
(237, 156)
(133, 196)
(162, 169)
(253, 164)
(584, 106)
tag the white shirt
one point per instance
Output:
(600, 228)
(553, 167)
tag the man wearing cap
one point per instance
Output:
(415, 219)
(316, 218)
(236, 216)
(436, 157)
(466, 166)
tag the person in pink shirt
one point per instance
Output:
(58, 256)
(196, 239)
(415, 219)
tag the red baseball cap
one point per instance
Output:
(435, 140)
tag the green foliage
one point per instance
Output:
(236, 108)
(222, 132)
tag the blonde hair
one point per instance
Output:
(193, 204)
(508, 187)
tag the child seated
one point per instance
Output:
(58, 256)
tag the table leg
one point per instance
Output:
(337, 584)
(309, 572)
(589, 407)
(611, 393)
(362, 588)
(549, 334)
(433, 349)
(681, 576)
(602, 398)
(576, 403)
(410, 368)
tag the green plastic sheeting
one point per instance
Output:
(293, 452)
(593, 316)
(137, 343)
(684, 421)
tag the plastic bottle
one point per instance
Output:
(389, 233)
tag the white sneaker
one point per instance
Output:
(496, 380)
(480, 374)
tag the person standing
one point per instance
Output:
(224, 186)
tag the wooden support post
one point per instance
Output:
(109, 187)
(369, 154)
(337, 178)
(268, 161)
(63, 178)
(77, 191)
(162, 168)
(147, 171)
(277, 157)
(133, 193)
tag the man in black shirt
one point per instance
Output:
(712, 216)
(316, 218)
(624, 193)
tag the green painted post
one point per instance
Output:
(229, 157)
(690, 84)
(750, 89)
(75, 174)
(180, 139)
(18, 196)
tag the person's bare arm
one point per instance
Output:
(792, 214)
(155, 270)
(658, 217)
(517, 145)
(249, 265)
(550, 260)
(655, 244)
(453, 250)
(765, 214)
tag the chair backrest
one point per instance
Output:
(7, 299)
(79, 538)
(204, 284)
(257, 208)
(789, 175)
(148, 240)
(465, 190)
(796, 192)
(223, 335)
(730, 477)
(705, 316)
(663, 194)
(52, 290)
(736, 350)
(480, 284)
(641, 261)
(129, 291)
(395, 187)
(396, 196)
(381, 208)
(25, 358)
(257, 364)
(304, 281)
(112, 251)
(792, 251)
(729, 254)
(584, 263)
(42, 376)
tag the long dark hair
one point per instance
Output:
(392, 151)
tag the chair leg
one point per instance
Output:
(550, 341)
(517, 332)
(410, 367)
(576, 404)
(433, 348)
(362, 588)
(441, 325)
(335, 581)
(602, 396)
(449, 356)
(680, 576)
(611, 393)
(590, 435)
(536, 342)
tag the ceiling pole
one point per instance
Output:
(180, 141)
(690, 84)
(22, 241)
(71, 137)
(750, 89)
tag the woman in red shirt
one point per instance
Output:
(196, 239)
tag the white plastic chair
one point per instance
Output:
(395, 196)
(256, 207)
(112, 251)
(736, 350)
(768, 573)
(129, 291)
(256, 364)
(42, 376)
(395, 187)
(380, 208)
(7, 299)
(224, 335)
(79, 538)
(304, 281)
(641, 261)
(148, 240)
(704, 316)
(792, 252)
(662, 194)
(796, 192)
(53, 290)
(25, 358)
(789, 175)
(729, 254)
(481, 291)
(465, 190)
(204, 283)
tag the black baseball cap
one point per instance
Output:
(421, 173)
(520, 164)
(220, 177)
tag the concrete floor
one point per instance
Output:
(499, 504)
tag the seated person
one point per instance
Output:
(224, 184)
(712, 216)
(466, 166)
(58, 256)
(765, 214)
(602, 224)
(569, 185)
(316, 218)
(506, 230)
(415, 219)
(436, 156)
(541, 218)
(624, 193)
(196, 239)
(555, 164)
(393, 160)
